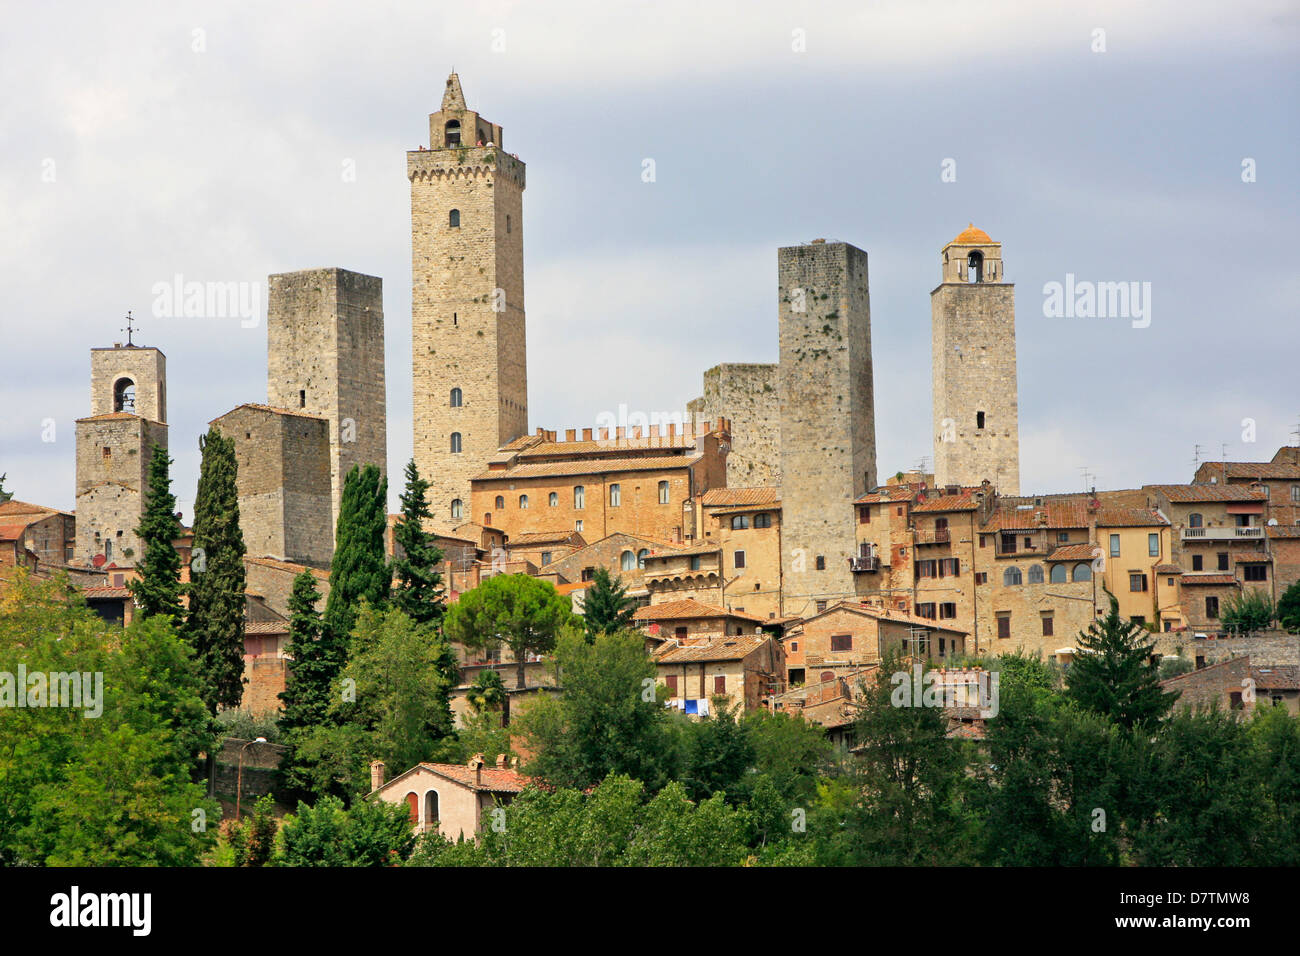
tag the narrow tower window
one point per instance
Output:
(302, 398)
(455, 443)
(457, 508)
(452, 133)
(453, 219)
(455, 398)
(975, 267)
(507, 224)
(979, 419)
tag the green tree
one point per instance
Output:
(157, 589)
(4, 495)
(487, 693)
(359, 570)
(1275, 744)
(608, 719)
(214, 625)
(516, 610)
(1114, 673)
(1251, 611)
(1288, 608)
(306, 695)
(719, 755)
(253, 841)
(606, 607)
(371, 833)
(419, 592)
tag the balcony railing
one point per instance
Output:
(861, 565)
(1221, 534)
(937, 536)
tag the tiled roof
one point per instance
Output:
(884, 614)
(726, 649)
(266, 627)
(972, 236)
(494, 779)
(1191, 577)
(962, 502)
(1283, 531)
(295, 412)
(29, 512)
(105, 593)
(1256, 470)
(1277, 677)
(592, 466)
(1128, 518)
(1167, 569)
(1191, 494)
(683, 552)
(1068, 513)
(286, 566)
(688, 609)
(740, 497)
(545, 537)
(12, 532)
(1073, 552)
(1251, 557)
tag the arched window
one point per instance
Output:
(455, 443)
(456, 400)
(979, 419)
(641, 556)
(500, 502)
(579, 496)
(457, 508)
(124, 396)
(523, 501)
(431, 807)
(1059, 574)
(1082, 572)
(413, 804)
(487, 519)
(975, 267)
(553, 499)
(663, 492)
(827, 676)
(453, 219)
(1035, 574)
(451, 133)
(1195, 521)
(627, 560)
(763, 520)
(739, 522)
(1011, 577)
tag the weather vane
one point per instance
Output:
(129, 330)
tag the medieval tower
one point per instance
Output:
(827, 417)
(128, 420)
(325, 358)
(467, 302)
(973, 328)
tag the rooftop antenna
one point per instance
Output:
(129, 330)
(1196, 456)
(1088, 476)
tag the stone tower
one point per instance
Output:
(973, 327)
(128, 419)
(467, 302)
(827, 415)
(325, 357)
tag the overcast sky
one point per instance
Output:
(225, 142)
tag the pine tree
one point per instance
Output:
(419, 589)
(307, 686)
(158, 588)
(215, 626)
(606, 608)
(1114, 673)
(360, 569)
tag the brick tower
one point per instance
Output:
(467, 302)
(973, 327)
(827, 415)
(128, 419)
(325, 357)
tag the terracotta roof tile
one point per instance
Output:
(1191, 494)
(1277, 677)
(1207, 578)
(689, 609)
(972, 236)
(1128, 518)
(740, 497)
(683, 552)
(930, 503)
(545, 537)
(724, 649)
(1167, 569)
(494, 779)
(1073, 552)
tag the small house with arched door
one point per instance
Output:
(455, 799)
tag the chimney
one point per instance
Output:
(654, 431)
(570, 434)
(476, 764)
(672, 429)
(604, 434)
(586, 434)
(501, 761)
(621, 433)
(376, 774)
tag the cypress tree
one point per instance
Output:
(158, 588)
(360, 569)
(215, 626)
(606, 608)
(1114, 674)
(307, 685)
(419, 590)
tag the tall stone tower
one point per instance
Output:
(827, 415)
(325, 357)
(467, 301)
(127, 421)
(973, 327)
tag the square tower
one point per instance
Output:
(973, 341)
(325, 357)
(128, 402)
(467, 302)
(827, 414)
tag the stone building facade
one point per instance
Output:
(827, 416)
(284, 482)
(747, 395)
(467, 298)
(973, 339)
(325, 357)
(114, 446)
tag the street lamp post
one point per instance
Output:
(239, 779)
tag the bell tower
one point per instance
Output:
(467, 302)
(973, 342)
